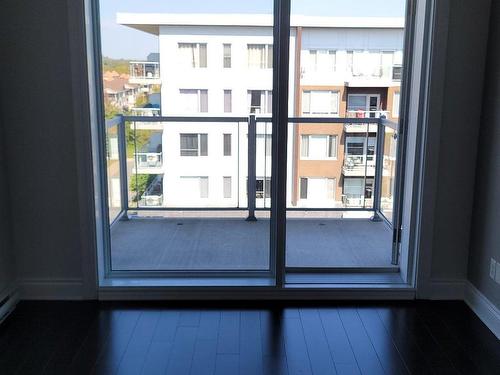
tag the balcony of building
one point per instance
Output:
(368, 75)
(145, 72)
(165, 226)
(362, 128)
(149, 112)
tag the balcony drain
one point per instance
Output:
(180, 223)
(321, 224)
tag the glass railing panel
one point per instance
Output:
(113, 169)
(388, 173)
(189, 181)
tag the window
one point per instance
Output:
(260, 56)
(319, 188)
(193, 55)
(193, 101)
(320, 102)
(355, 62)
(397, 68)
(355, 145)
(203, 187)
(227, 187)
(228, 101)
(260, 101)
(303, 188)
(264, 143)
(227, 144)
(354, 187)
(263, 188)
(370, 148)
(369, 188)
(395, 104)
(194, 186)
(366, 105)
(322, 60)
(194, 144)
(227, 55)
(318, 146)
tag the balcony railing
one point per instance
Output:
(144, 72)
(241, 166)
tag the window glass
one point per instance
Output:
(227, 187)
(203, 144)
(227, 101)
(303, 188)
(227, 144)
(227, 55)
(203, 187)
(189, 144)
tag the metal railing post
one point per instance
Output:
(122, 155)
(252, 156)
(379, 155)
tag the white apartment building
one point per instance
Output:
(221, 66)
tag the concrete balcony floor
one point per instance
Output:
(184, 242)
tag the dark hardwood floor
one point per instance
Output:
(74, 338)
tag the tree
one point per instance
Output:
(139, 183)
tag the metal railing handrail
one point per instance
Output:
(252, 120)
(291, 120)
(144, 62)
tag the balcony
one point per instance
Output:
(360, 127)
(178, 221)
(375, 76)
(359, 166)
(148, 112)
(145, 73)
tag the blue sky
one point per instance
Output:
(122, 42)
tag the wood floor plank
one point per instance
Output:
(228, 341)
(251, 359)
(365, 353)
(317, 344)
(336, 336)
(297, 357)
(204, 357)
(94, 343)
(121, 331)
(226, 364)
(134, 357)
(387, 352)
(181, 355)
(416, 331)
(414, 358)
(209, 325)
(75, 338)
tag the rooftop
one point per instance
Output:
(150, 22)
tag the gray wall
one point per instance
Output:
(7, 266)
(39, 138)
(461, 111)
(485, 240)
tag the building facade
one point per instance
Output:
(221, 66)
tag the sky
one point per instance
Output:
(123, 42)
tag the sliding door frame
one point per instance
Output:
(110, 279)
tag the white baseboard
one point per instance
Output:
(484, 309)
(442, 289)
(52, 289)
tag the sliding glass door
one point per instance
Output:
(251, 139)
